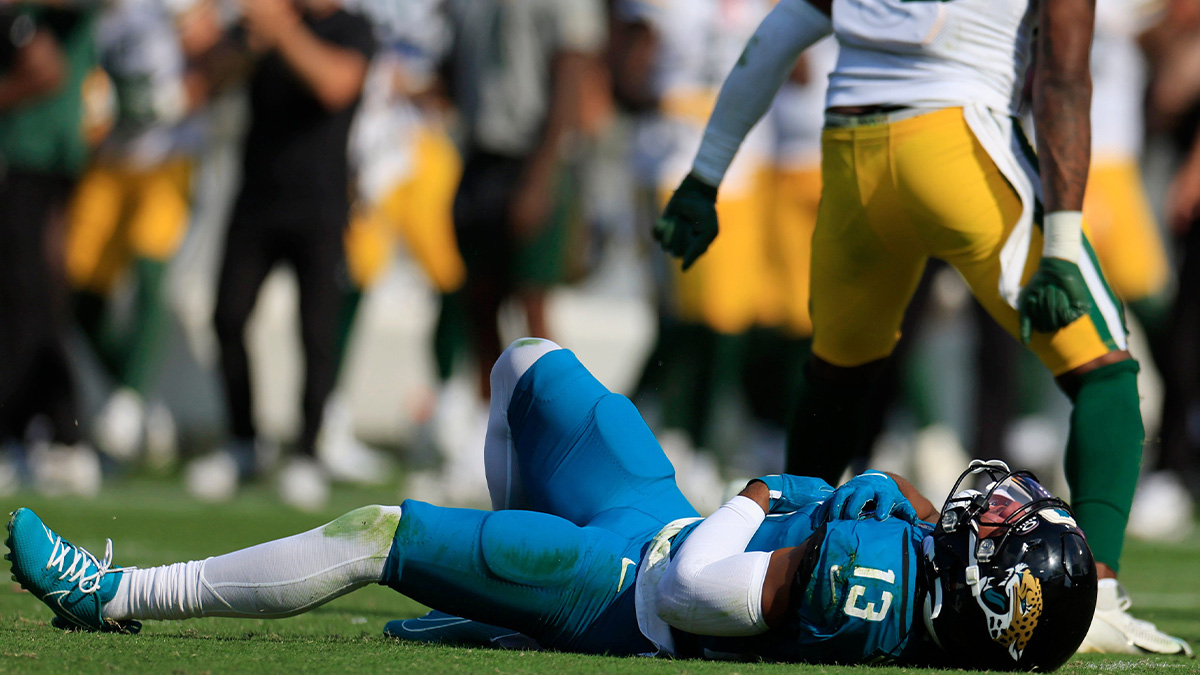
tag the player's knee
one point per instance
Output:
(532, 549)
(1115, 381)
(373, 522)
(515, 360)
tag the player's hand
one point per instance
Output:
(1055, 297)
(268, 21)
(689, 223)
(871, 493)
(784, 489)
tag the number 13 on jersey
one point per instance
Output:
(868, 601)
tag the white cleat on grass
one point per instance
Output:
(120, 424)
(212, 478)
(304, 485)
(1114, 631)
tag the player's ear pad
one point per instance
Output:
(520, 547)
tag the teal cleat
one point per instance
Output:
(67, 578)
(442, 628)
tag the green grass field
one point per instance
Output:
(153, 523)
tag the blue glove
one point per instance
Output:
(689, 222)
(870, 493)
(791, 493)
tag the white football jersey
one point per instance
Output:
(926, 53)
(139, 49)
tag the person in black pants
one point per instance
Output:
(45, 53)
(292, 208)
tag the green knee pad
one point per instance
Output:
(1104, 453)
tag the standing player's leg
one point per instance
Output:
(1089, 357)
(865, 268)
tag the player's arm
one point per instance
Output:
(335, 74)
(689, 222)
(1062, 95)
(925, 509)
(713, 586)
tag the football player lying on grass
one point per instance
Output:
(592, 548)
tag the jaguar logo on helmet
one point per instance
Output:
(1013, 610)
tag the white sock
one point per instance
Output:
(276, 579)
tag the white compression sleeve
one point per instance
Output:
(276, 579)
(713, 586)
(790, 28)
(499, 457)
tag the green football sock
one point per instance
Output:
(450, 333)
(351, 299)
(91, 312)
(139, 355)
(1104, 452)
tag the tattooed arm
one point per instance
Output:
(1062, 95)
(1057, 293)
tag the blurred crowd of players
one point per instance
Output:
(506, 149)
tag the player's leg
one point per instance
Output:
(1088, 357)
(249, 255)
(565, 586)
(480, 206)
(558, 441)
(275, 579)
(318, 258)
(569, 587)
(96, 253)
(157, 227)
(865, 267)
(585, 453)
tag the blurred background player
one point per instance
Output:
(406, 172)
(46, 51)
(310, 62)
(128, 216)
(518, 73)
(1172, 46)
(695, 368)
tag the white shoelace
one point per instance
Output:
(76, 572)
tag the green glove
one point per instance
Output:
(689, 223)
(1056, 296)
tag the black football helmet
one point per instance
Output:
(1011, 580)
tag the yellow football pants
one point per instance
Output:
(796, 195)
(419, 211)
(896, 194)
(1123, 230)
(723, 289)
(118, 214)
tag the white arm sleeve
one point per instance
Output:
(790, 28)
(713, 586)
